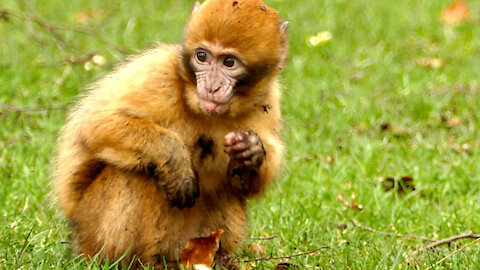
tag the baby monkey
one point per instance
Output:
(170, 145)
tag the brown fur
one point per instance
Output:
(138, 138)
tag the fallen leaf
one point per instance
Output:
(99, 60)
(319, 39)
(4, 16)
(355, 205)
(352, 205)
(394, 130)
(341, 226)
(454, 121)
(404, 184)
(256, 249)
(385, 126)
(285, 266)
(434, 63)
(88, 65)
(464, 148)
(85, 15)
(456, 12)
(201, 251)
(357, 76)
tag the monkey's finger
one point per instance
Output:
(253, 139)
(241, 146)
(241, 136)
(248, 163)
(255, 161)
(229, 150)
(247, 154)
(230, 139)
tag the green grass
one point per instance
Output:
(336, 97)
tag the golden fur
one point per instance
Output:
(146, 112)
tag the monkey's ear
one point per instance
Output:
(195, 8)
(284, 26)
(284, 43)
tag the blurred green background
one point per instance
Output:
(375, 92)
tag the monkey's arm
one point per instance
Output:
(253, 162)
(138, 144)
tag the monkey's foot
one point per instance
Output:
(223, 261)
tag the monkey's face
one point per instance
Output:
(216, 70)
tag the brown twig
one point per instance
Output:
(70, 60)
(10, 108)
(54, 28)
(25, 242)
(410, 236)
(453, 253)
(284, 257)
(46, 25)
(448, 240)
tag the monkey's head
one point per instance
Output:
(229, 48)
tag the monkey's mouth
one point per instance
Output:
(211, 107)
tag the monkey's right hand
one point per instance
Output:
(179, 181)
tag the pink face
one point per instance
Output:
(217, 70)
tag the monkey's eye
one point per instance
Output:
(229, 61)
(201, 56)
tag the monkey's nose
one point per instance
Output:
(213, 91)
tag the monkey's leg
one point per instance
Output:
(140, 145)
(123, 212)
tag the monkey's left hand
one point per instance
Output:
(245, 148)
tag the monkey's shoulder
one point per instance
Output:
(146, 81)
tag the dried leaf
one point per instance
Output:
(201, 250)
(434, 63)
(456, 12)
(352, 205)
(85, 15)
(394, 130)
(357, 76)
(464, 148)
(88, 65)
(356, 205)
(454, 121)
(341, 199)
(99, 60)
(319, 39)
(403, 185)
(4, 16)
(385, 126)
(256, 249)
(286, 266)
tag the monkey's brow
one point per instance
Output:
(224, 51)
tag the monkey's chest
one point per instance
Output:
(209, 159)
